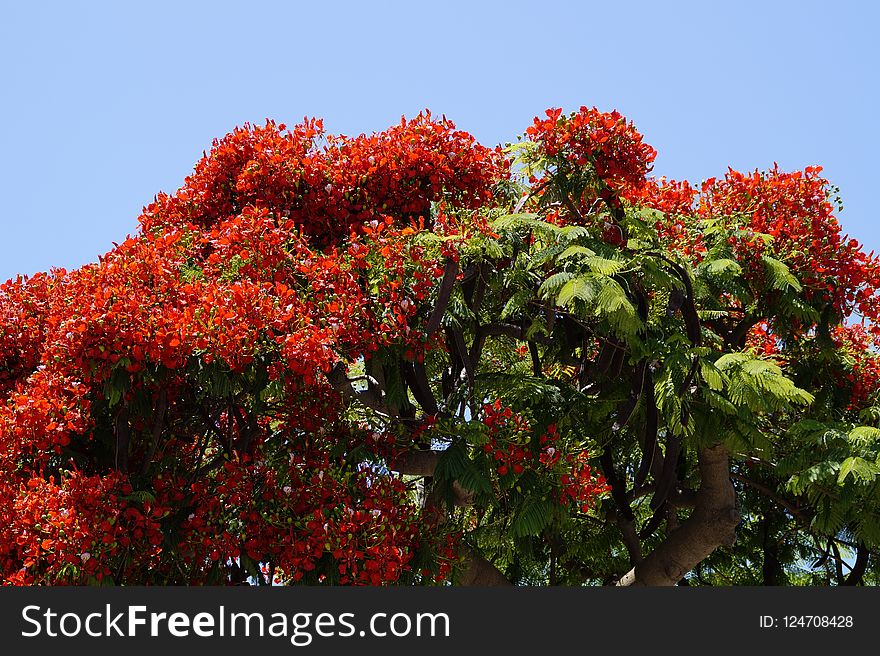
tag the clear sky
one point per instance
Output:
(104, 105)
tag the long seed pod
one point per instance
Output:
(667, 476)
(688, 309)
(475, 300)
(417, 380)
(537, 369)
(464, 355)
(650, 447)
(617, 361)
(654, 523)
(446, 285)
(605, 357)
(618, 486)
(627, 409)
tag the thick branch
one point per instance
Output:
(416, 463)
(371, 397)
(423, 463)
(623, 516)
(464, 355)
(416, 378)
(666, 482)
(627, 528)
(737, 335)
(712, 524)
(480, 572)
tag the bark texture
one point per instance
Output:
(712, 524)
(480, 572)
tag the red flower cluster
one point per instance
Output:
(762, 340)
(328, 192)
(511, 445)
(23, 306)
(206, 340)
(862, 377)
(176, 410)
(509, 439)
(409, 166)
(71, 531)
(605, 140)
(582, 486)
(678, 228)
(795, 210)
(297, 516)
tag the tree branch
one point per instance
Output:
(712, 524)
(424, 463)
(624, 516)
(371, 397)
(770, 494)
(859, 567)
(480, 572)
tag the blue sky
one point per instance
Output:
(106, 104)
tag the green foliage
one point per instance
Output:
(779, 274)
(759, 385)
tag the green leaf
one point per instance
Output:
(822, 472)
(759, 385)
(615, 305)
(780, 275)
(572, 251)
(730, 360)
(718, 402)
(473, 479)
(516, 304)
(554, 283)
(492, 249)
(581, 288)
(523, 219)
(709, 315)
(573, 232)
(861, 470)
(721, 266)
(713, 377)
(531, 517)
(453, 462)
(603, 265)
(864, 435)
(140, 496)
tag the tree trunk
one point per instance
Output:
(712, 524)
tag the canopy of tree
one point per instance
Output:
(407, 358)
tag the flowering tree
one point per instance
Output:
(409, 358)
